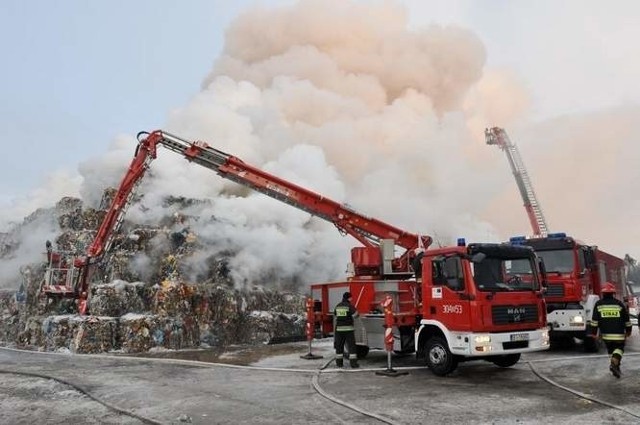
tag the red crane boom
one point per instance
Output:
(65, 281)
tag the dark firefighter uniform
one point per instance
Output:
(611, 317)
(344, 314)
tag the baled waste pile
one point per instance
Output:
(133, 313)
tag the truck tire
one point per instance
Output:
(507, 360)
(438, 357)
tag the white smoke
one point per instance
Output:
(361, 110)
(25, 239)
(343, 98)
(57, 185)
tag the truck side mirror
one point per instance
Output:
(543, 274)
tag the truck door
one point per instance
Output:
(449, 298)
(590, 274)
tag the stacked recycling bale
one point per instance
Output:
(32, 334)
(117, 298)
(9, 318)
(128, 315)
(82, 334)
(95, 334)
(139, 332)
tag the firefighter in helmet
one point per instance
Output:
(344, 334)
(611, 317)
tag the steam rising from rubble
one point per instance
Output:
(340, 97)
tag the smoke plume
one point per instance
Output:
(342, 98)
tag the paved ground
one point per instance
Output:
(282, 388)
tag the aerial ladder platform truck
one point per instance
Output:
(450, 304)
(575, 271)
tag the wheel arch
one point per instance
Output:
(425, 332)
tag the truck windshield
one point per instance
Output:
(494, 274)
(558, 261)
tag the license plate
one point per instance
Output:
(520, 337)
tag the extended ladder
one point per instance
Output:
(497, 136)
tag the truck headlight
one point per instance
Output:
(545, 337)
(576, 321)
(482, 343)
(482, 339)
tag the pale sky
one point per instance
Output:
(78, 74)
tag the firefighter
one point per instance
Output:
(344, 334)
(611, 317)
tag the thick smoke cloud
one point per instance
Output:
(344, 99)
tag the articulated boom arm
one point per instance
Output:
(61, 281)
(145, 153)
(369, 231)
(497, 136)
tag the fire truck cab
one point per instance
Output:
(575, 272)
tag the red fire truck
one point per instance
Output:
(575, 273)
(575, 270)
(476, 301)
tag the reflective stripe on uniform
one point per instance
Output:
(608, 311)
(618, 352)
(342, 311)
(613, 337)
(344, 328)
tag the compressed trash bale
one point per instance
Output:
(275, 301)
(91, 218)
(8, 302)
(95, 335)
(217, 312)
(120, 266)
(116, 298)
(270, 327)
(59, 331)
(31, 279)
(10, 327)
(105, 300)
(137, 332)
(33, 334)
(13, 311)
(224, 318)
(172, 299)
(177, 334)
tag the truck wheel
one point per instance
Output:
(362, 351)
(507, 360)
(439, 358)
